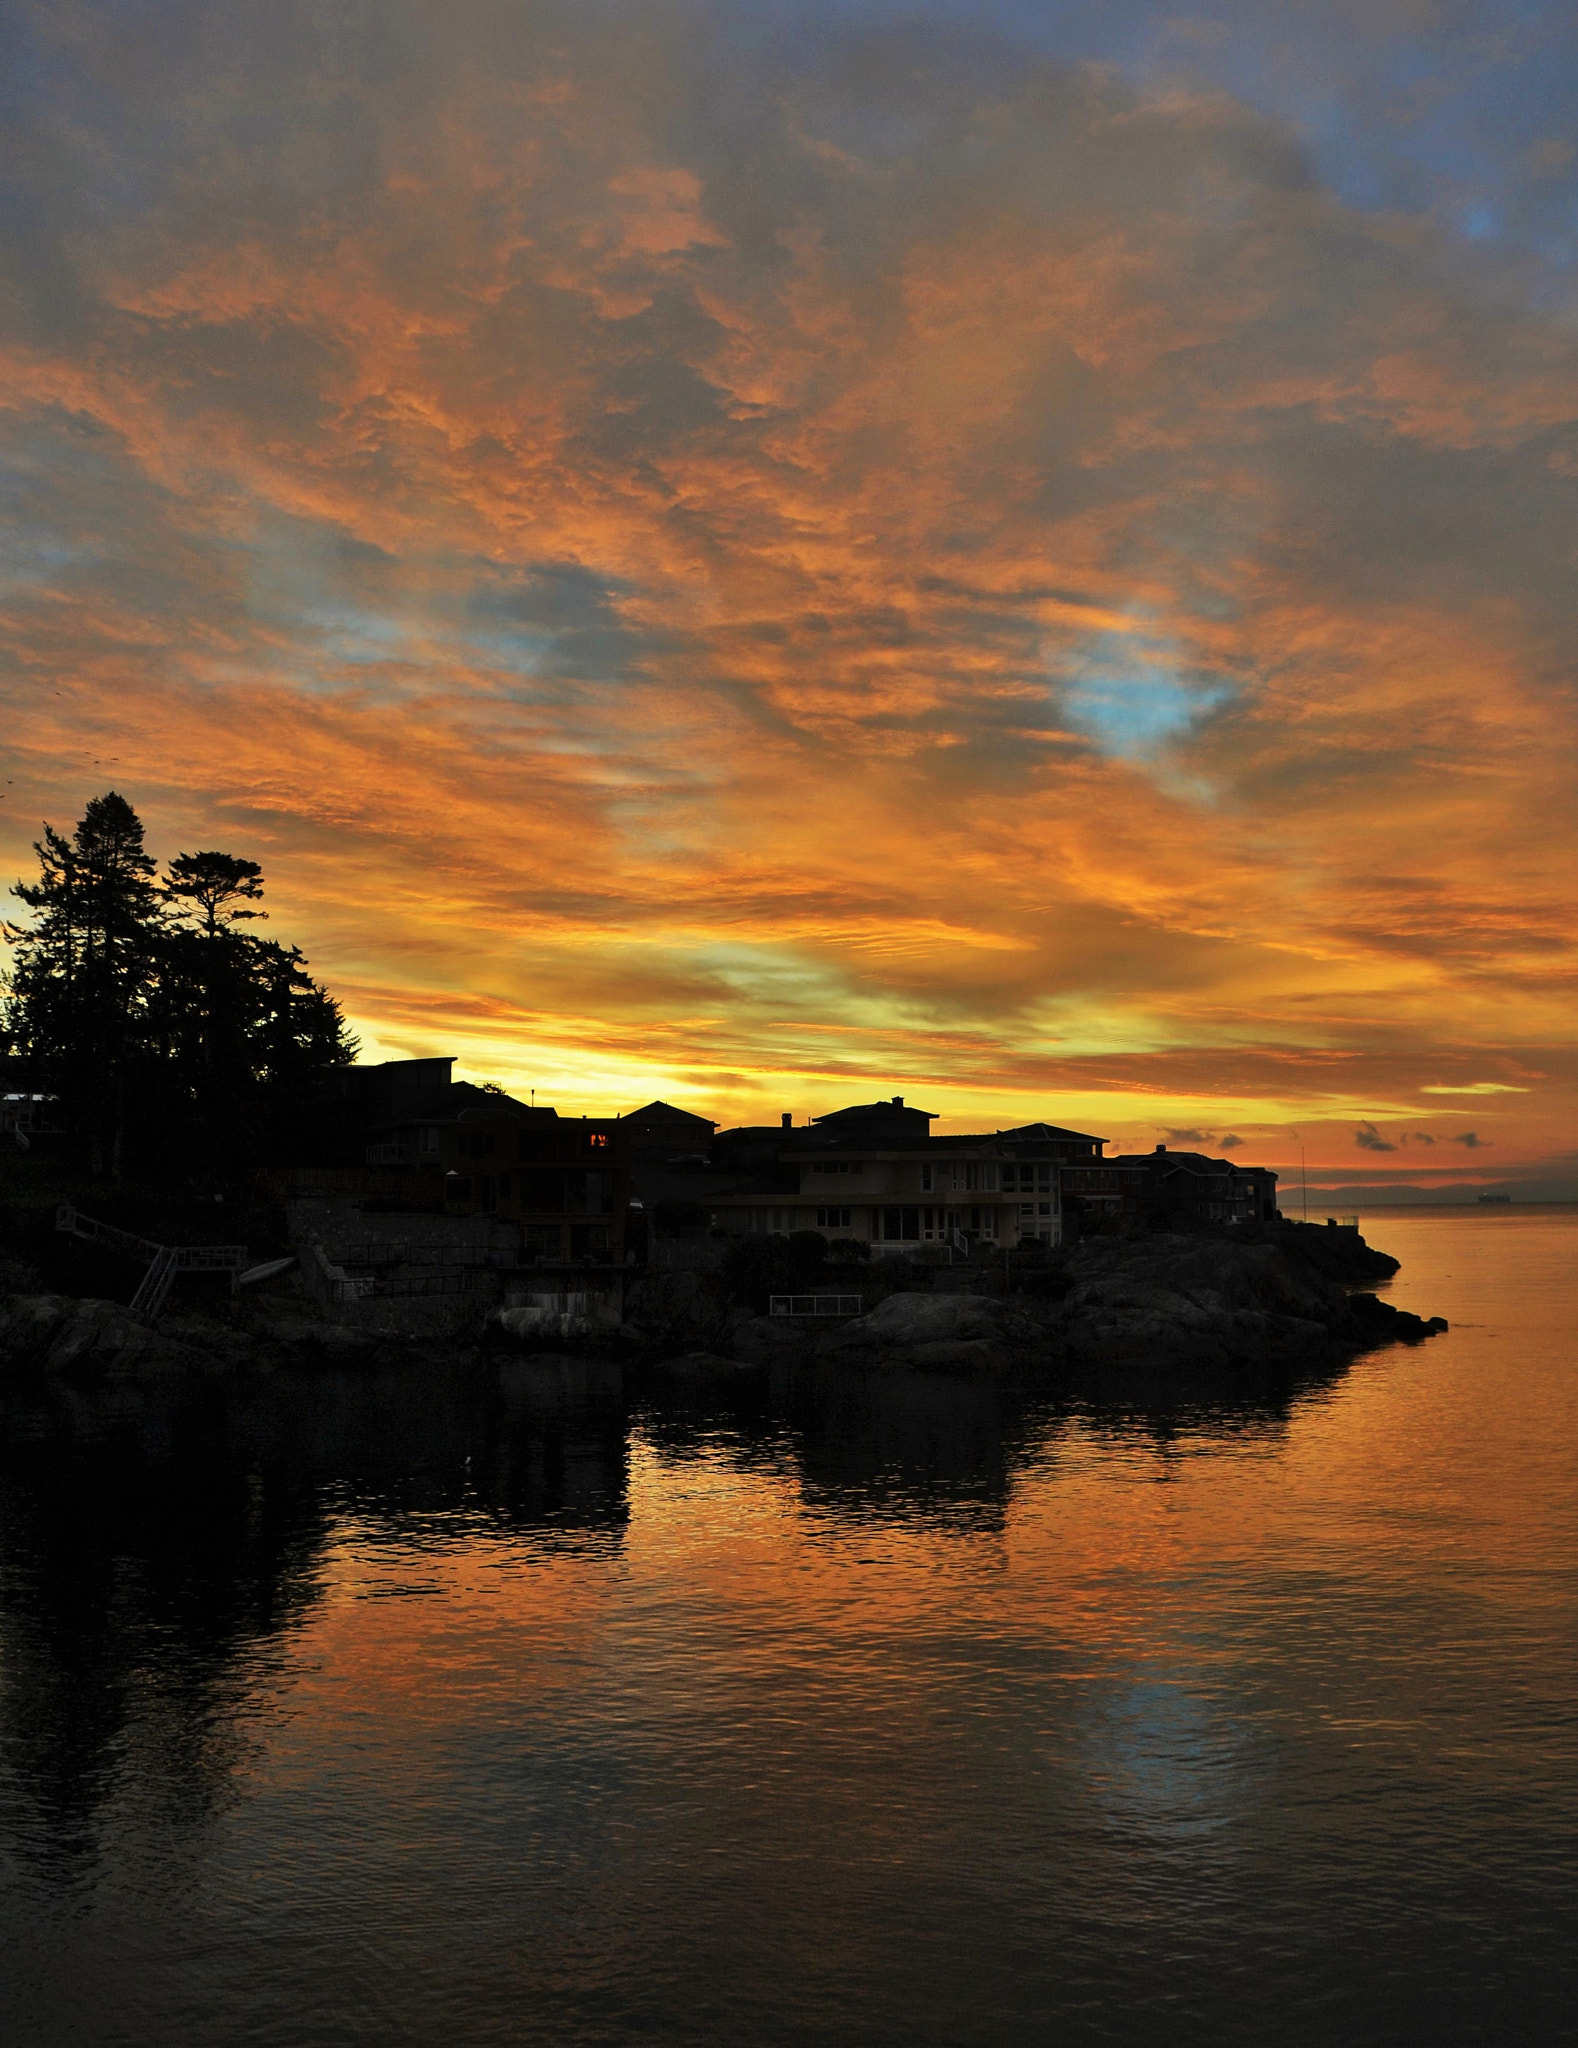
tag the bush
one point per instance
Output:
(675, 1215)
(755, 1268)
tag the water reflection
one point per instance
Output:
(542, 1703)
(155, 1541)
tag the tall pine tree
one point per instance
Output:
(153, 1011)
(84, 969)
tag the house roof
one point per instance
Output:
(873, 1111)
(447, 1105)
(666, 1113)
(1043, 1134)
(1187, 1162)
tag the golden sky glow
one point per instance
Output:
(911, 565)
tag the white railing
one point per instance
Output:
(402, 1252)
(161, 1261)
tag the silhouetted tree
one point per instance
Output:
(213, 887)
(121, 978)
(78, 992)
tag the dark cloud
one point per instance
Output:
(1470, 1140)
(1229, 1142)
(1369, 1139)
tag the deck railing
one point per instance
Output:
(161, 1261)
(816, 1304)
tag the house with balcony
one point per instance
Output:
(874, 1173)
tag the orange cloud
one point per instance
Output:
(1008, 587)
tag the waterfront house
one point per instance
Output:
(1189, 1188)
(565, 1181)
(874, 1173)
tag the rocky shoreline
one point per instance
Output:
(1287, 1298)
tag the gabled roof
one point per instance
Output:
(896, 1106)
(666, 1113)
(1186, 1162)
(1045, 1134)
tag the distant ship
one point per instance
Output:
(1486, 1200)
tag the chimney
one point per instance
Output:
(788, 1119)
(1161, 1148)
(898, 1102)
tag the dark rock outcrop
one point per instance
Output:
(91, 1340)
(1211, 1301)
(1240, 1302)
(968, 1333)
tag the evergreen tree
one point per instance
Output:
(146, 1003)
(212, 888)
(78, 991)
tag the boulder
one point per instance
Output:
(962, 1333)
(102, 1340)
(93, 1340)
(771, 1340)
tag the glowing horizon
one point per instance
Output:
(772, 556)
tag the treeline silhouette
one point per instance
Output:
(173, 1034)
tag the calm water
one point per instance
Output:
(504, 1711)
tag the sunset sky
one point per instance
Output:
(1018, 555)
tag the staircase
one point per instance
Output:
(162, 1262)
(155, 1284)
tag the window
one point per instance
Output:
(590, 1241)
(598, 1141)
(926, 1180)
(900, 1224)
(543, 1240)
(972, 1175)
(458, 1189)
(1010, 1180)
(989, 1179)
(832, 1219)
(429, 1140)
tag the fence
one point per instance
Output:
(816, 1304)
(399, 1252)
(404, 1286)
